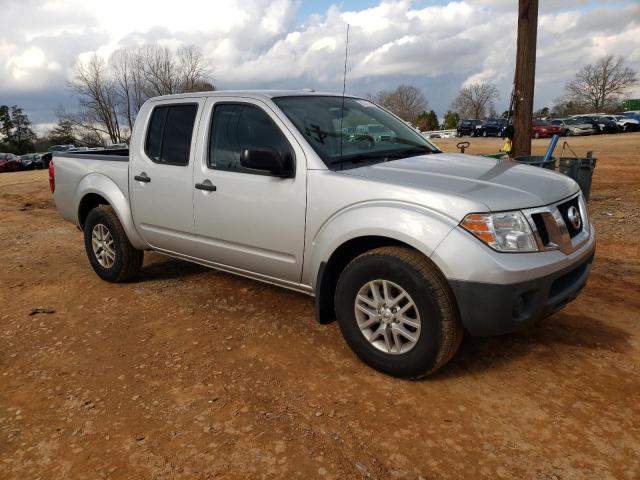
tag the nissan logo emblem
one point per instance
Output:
(573, 214)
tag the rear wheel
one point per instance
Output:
(110, 253)
(397, 312)
(536, 135)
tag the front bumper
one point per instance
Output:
(503, 292)
(493, 309)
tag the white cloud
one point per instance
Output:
(32, 60)
(260, 43)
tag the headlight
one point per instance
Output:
(504, 231)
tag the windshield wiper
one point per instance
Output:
(384, 156)
(409, 152)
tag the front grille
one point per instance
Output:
(541, 227)
(554, 229)
(563, 208)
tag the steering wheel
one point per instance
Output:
(462, 146)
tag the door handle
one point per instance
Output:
(142, 178)
(207, 186)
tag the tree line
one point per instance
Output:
(597, 87)
(110, 93)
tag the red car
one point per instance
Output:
(9, 162)
(544, 129)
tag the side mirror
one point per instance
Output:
(266, 159)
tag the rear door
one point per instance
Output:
(161, 175)
(252, 222)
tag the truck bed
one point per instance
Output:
(74, 171)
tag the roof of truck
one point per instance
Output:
(251, 93)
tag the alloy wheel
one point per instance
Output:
(103, 247)
(387, 316)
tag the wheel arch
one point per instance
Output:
(350, 234)
(95, 190)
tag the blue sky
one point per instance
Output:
(437, 46)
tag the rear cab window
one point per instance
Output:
(170, 132)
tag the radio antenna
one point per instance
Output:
(344, 87)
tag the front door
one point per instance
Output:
(161, 175)
(252, 221)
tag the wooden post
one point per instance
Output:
(525, 76)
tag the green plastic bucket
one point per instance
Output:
(581, 170)
(494, 155)
(537, 161)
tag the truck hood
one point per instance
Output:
(499, 184)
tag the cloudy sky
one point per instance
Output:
(435, 45)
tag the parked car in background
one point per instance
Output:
(31, 161)
(468, 127)
(573, 126)
(9, 162)
(46, 159)
(599, 124)
(634, 114)
(545, 129)
(492, 127)
(625, 124)
(60, 148)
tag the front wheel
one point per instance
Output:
(397, 312)
(110, 253)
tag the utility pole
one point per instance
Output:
(525, 76)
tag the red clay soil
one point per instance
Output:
(191, 373)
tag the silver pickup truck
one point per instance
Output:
(406, 246)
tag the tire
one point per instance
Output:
(484, 134)
(536, 135)
(434, 311)
(126, 261)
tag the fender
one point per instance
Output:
(109, 190)
(412, 224)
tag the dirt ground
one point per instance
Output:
(196, 374)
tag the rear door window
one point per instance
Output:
(169, 135)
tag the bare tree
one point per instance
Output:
(475, 100)
(599, 86)
(406, 101)
(112, 93)
(98, 98)
(193, 72)
(130, 82)
(160, 72)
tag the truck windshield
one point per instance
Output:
(359, 132)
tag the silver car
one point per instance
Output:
(573, 127)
